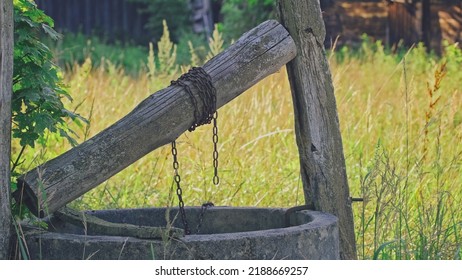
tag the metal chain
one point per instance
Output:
(204, 208)
(216, 179)
(179, 191)
(207, 95)
(206, 92)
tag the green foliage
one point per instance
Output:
(453, 57)
(37, 82)
(177, 13)
(159, 10)
(198, 44)
(240, 16)
(76, 48)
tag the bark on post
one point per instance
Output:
(158, 120)
(322, 163)
(6, 75)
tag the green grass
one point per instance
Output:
(76, 48)
(401, 122)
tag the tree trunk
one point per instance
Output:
(158, 120)
(322, 163)
(6, 76)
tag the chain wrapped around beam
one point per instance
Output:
(201, 80)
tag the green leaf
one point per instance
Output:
(51, 32)
(381, 248)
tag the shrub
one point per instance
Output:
(38, 90)
(240, 16)
(159, 10)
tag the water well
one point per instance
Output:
(225, 233)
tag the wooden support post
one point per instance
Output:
(322, 163)
(158, 120)
(6, 78)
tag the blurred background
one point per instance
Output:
(140, 21)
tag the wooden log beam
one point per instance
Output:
(6, 78)
(322, 163)
(156, 121)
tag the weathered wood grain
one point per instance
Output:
(156, 121)
(322, 163)
(6, 76)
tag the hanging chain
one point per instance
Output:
(207, 95)
(204, 208)
(179, 191)
(216, 179)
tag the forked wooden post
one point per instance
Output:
(157, 121)
(322, 163)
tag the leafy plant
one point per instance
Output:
(38, 89)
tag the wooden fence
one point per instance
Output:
(404, 24)
(116, 19)
(427, 21)
(119, 19)
(394, 21)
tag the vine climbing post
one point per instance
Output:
(6, 76)
(322, 163)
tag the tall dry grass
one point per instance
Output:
(402, 132)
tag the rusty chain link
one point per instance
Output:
(207, 93)
(204, 208)
(179, 190)
(202, 81)
(216, 179)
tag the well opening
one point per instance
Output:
(226, 233)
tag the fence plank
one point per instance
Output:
(113, 19)
(322, 163)
(158, 120)
(6, 76)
